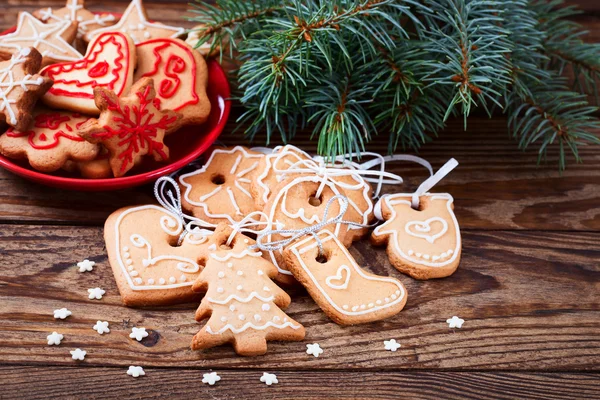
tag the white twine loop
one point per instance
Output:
(432, 181)
(247, 223)
(293, 234)
(170, 199)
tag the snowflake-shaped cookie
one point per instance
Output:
(131, 126)
(220, 190)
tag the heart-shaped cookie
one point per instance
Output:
(148, 265)
(345, 292)
(108, 63)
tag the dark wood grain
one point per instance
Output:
(530, 301)
(91, 383)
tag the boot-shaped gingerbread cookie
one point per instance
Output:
(424, 243)
(345, 292)
(242, 303)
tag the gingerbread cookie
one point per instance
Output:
(148, 266)
(108, 63)
(295, 205)
(98, 168)
(130, 127)
(345, 292)
(20, 87)
(180, 76)
(75, 10)
(134, 23)
(242, 303)
(423, 243)
(220, 190)
(51, 40)
(288, 161)
(51, 141)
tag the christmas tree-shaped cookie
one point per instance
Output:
(241, 301)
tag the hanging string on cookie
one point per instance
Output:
(250, 224)
(293, 234)
(168, 195)
(432, 181)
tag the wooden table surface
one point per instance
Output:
(528, 288)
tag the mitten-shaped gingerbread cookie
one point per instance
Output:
(242, 303)
(345, 292)
(148, 265)
(220, 190)
(130, 127)
(423, 243)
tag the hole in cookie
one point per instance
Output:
(218, 179)
(224, 246)
(202, 262)
(322, 258)
(315, 201)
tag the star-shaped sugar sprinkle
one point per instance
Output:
(211, 378)
(131, 126)
(314, 349)
(135, 371)
(86, 265)
(455, 322)
(101, 327)
(51, 40)
(96, 293)
(138, 333)
(135, 23)
(78, 354)
(61, 313)
(268, 379)
(391, 345)
(54, 338)
(20, 87)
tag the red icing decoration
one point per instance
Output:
(167, 88)
(102, 68)
(134, 129)
(50, 121)
(98, 70)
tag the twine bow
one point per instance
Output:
(293, 234)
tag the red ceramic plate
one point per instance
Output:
(185, 146)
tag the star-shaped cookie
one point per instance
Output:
(135, 23)
(75, 10)
(20, 87)
(130, 127)
(51, 40)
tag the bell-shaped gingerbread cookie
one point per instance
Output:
(424, 243)
(345, 292)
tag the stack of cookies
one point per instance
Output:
(94, 94)
(160, 256)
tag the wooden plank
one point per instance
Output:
(529, 299)
(91, 383)
(495, 186)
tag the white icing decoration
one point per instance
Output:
(338, 277)
(136, 7)
(40, 33)
(303, 246)
(424, 227)
(239, 287)
(266, 307)
(171, 225)
(247, 325)
(241, 317)
(251, 296)
(404, 198)
(231, 254)
(82, 27)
